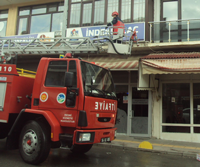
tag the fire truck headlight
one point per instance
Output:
(84, 136)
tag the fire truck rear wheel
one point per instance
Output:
(34, 142)
(81, 149)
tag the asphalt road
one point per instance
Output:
(99, 156)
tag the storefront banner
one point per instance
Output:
(46, 37)
(91, 32)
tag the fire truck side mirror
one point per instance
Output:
(69, 79)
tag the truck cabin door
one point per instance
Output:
(57, 98)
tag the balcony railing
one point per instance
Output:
(175, 31)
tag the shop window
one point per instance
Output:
(175, 129)
(41, 18)
(176, 103)
(3, 22)
(196, 103)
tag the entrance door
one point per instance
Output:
(140, 113)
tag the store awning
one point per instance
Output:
(180, 63)
(115, 63)
(171, 63)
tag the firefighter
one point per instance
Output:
(116, 22)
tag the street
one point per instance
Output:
(99, 157)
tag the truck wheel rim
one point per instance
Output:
(30, 142)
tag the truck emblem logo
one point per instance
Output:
(44, 96)
(61, 98)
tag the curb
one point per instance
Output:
(170, 152)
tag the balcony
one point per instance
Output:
(172, 36)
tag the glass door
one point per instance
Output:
(169, 15)
(140, 113)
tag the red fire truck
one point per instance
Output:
(70, 103)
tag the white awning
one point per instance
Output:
(115, 63)
(171, 66)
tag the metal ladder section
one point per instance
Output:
(13, 46)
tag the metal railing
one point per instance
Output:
(26, 73)
(175, 31)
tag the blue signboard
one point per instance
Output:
(97, 31)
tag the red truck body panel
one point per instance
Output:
(17, 87)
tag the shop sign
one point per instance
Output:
(139, 101)
(45, 37)
(100, 30)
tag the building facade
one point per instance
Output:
(157, 85)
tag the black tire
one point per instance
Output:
(35, 142)
(81, 149)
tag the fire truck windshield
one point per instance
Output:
(97, 81)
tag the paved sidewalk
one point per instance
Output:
(186, 149)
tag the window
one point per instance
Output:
(3, 22)
(126, 11)
(112, 6)
(99, 12)
(41, 18)
(75, 15)
(56, 74)
(139, 11)
(176, 107)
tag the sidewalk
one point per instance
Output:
(186, 149)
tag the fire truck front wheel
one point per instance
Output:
(81, 149)
(34, 142)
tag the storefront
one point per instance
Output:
(134, 107)
(176, 98)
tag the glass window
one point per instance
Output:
(76, 0)
(57, 22)
(139, 11)
(40, 23)
(99, 12)
(61, 7)
(112, 6)
(190, 9)
(4, 14)
(87, 14)
(126, 11)
(39, 9)
(120, 76)
(24, 11)
(22, 26)
(56, 74)
(176, 103)
(170, 11)
(3, 25)
(196, 103)
(75, 15)
(52, 8)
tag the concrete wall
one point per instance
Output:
(13, 13)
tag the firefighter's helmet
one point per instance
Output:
(115, 13)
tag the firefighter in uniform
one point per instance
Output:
(116, 22)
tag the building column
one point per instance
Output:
(12, 21)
